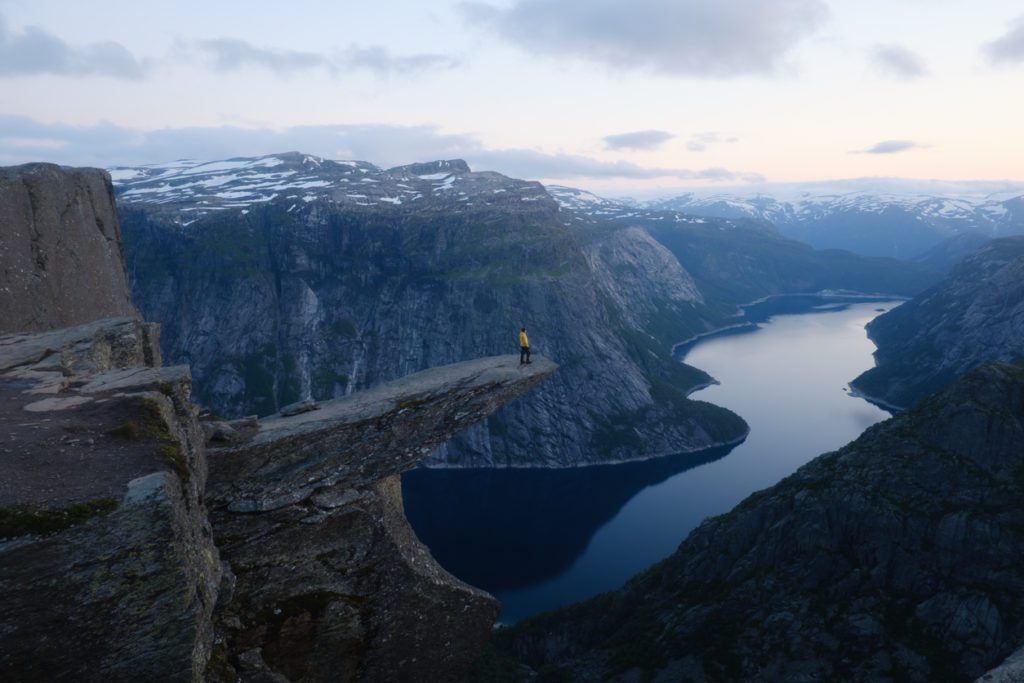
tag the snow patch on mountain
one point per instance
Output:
(206, 187)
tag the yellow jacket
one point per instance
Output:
(523, 341)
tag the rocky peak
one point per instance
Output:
(441, 166)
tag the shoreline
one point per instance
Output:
(749, 324)
(874, 400)
(732, 443)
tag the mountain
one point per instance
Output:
(974, 316)
(738, 260)
(894, 558)
(949, 253)
(875, 223)
(290, 277)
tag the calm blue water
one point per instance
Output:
(539, 539)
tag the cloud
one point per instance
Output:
(641, 139)
(704, 38)
(898, 62)
(1010, 48)
(232, 54)
(699, 141)
(891, 147)
(378, 59)
(23, 139)
(524, 163)
(35, 51)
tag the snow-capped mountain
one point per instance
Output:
(873, 223)
(903, 225)
(588, 205)
(195, 189)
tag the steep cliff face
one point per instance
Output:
(894, 558)
(60, 252)
(330, 277)
(974, 316)
(107, 563)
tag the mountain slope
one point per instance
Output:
(291, 277)
(894, 558)
(974, 316)
(871, 223)
(737, 260)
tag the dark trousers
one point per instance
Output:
(524, 354)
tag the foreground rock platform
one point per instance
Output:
(121, 561)
(107, 562)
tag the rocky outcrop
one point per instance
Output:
(1009, 671)
(330, 583)
(974, 316)
(107, 563)
(60, 256)
(310, 279)
(893, 558)
(112, 537)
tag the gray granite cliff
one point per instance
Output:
(60, 249)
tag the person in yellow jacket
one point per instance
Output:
(524, 347)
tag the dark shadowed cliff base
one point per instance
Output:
(895, 558)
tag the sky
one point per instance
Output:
(604, 95)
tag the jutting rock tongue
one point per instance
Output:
(330, 582)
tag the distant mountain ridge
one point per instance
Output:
(198, 189)
(900, 225)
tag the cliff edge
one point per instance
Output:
(60, 252)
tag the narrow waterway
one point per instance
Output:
(539, 539)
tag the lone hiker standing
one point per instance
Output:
(524, 347)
